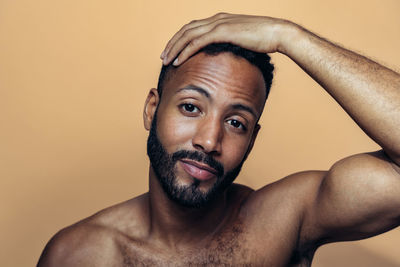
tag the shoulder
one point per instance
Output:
(274, 214)
(283, 203)
(295, 190)
(94, 240)
(82, 244)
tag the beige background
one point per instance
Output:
(73, 79)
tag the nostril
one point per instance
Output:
(199, 147)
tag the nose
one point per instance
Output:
(208, 136)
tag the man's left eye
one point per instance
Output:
(237, 124)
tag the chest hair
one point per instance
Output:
(225, 249)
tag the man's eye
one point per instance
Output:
(236, 124)
(189, 108)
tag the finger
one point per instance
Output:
(213, 36)
(177, 35)
(189, 26)
(191, 34)
(193, 24)
(184, 40)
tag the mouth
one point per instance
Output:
(198, 170)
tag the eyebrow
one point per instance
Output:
(195, 88)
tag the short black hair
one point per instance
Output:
(261, 60)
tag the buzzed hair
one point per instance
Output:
(261, 60)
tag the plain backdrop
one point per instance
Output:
(73, 79)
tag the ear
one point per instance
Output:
(253, 139)
(150, 107)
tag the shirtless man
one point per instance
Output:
(202, 128)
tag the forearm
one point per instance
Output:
(369, 92)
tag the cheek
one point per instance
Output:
(174, 132)
(234, 151)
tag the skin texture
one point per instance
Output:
(357, 198)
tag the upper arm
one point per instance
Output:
(357, 198)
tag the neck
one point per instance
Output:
(174, 224)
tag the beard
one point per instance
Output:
(164, 166)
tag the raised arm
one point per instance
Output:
(360, 195)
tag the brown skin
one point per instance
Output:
(357, 198)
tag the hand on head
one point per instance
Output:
(256, 33)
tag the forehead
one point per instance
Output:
(224, 75)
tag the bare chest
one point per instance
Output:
(233, 247)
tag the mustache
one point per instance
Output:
(200, 157)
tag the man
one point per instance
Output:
(203, 122)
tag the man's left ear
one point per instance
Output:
(253, 139)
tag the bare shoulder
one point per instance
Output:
(274, 215)
(296, 190)
(282, 205)
(94, 240)
(82, 244)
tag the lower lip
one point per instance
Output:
(198, 173)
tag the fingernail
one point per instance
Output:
(162, 54)
(176, 61)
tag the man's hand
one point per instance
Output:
(256, 33)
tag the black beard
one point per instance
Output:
(164, 166)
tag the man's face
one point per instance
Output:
(204, 126)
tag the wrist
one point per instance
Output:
(291, 36)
